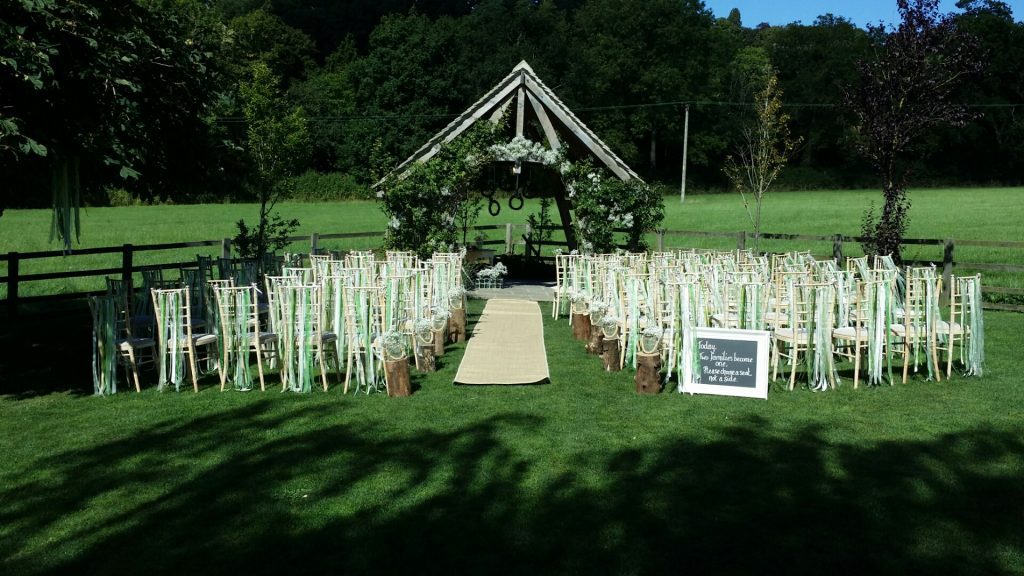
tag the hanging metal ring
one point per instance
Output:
(515, 197)
(493, 207)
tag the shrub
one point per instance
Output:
(313, 186)
(120, 197)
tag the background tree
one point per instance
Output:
(277, 141)
(100, 94)
(906, 88)
(764, 151)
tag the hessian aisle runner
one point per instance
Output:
(507, 346)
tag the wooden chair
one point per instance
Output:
(302, 337)
(363, 321)
(561, 289)
(114, 344)
(867, 334)
(917, 322)
(240, 334)
(965, 328)
(808, 332)
(177, 343)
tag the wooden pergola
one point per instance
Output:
(539, 115)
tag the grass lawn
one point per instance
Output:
(577, 476)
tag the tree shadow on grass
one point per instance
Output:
(249, 490)
(46, 352)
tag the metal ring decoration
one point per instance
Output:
(487, 193)
(517, 196)
(493, 207)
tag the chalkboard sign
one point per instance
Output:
(732, 363)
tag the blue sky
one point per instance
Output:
(860, 12)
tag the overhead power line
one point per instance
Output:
(676, 103)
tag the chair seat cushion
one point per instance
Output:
(789, 335)
(204, 339)
(902, 330)
(944, 327)
(850, 333)
(131, 343)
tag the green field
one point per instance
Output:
(973, 213)
(581, 475)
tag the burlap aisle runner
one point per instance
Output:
(507, 346)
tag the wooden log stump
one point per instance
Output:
(610, 354)
(425, 357)
(439, 343)
(648, 373)
(457, 325)
(581, 326)
(596, 344)
(398, 377)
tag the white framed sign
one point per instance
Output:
(732, 363)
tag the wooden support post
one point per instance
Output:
(837, 251)
(581, 326)
(661, 240)
(947, 271)
(12, 284)
(225, 248)
(595, 345)
(398, 381)
(425, 357)
(564, 212)
(741, 240)
(457, 325)
(509, 249)
(314, 243)
(648, 374)
(127, 266)
(610, 354)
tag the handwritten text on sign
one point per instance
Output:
(728, 362)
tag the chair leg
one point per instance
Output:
(323, 367)
(222, 367)
(856, 363)
(135, 368)
(935, 357)
(775, 360)
(259, 363)
(794, 350)
(348, 370)
(906, 358)
(191, 351)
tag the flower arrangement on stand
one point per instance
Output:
(492, 277)
(650, 338)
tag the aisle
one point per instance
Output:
(507, 346)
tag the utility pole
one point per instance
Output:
(686, 140)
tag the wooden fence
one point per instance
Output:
(14, 279)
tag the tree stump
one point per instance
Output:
(581, 326)
(610, 354)
(648, 373)
(398, 377)
(596, 343)
(457, 325)
(439, 343)
(425, 357)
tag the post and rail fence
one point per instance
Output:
(14, 278)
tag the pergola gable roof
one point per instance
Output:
(530, 95)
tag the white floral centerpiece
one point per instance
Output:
(492, 277)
